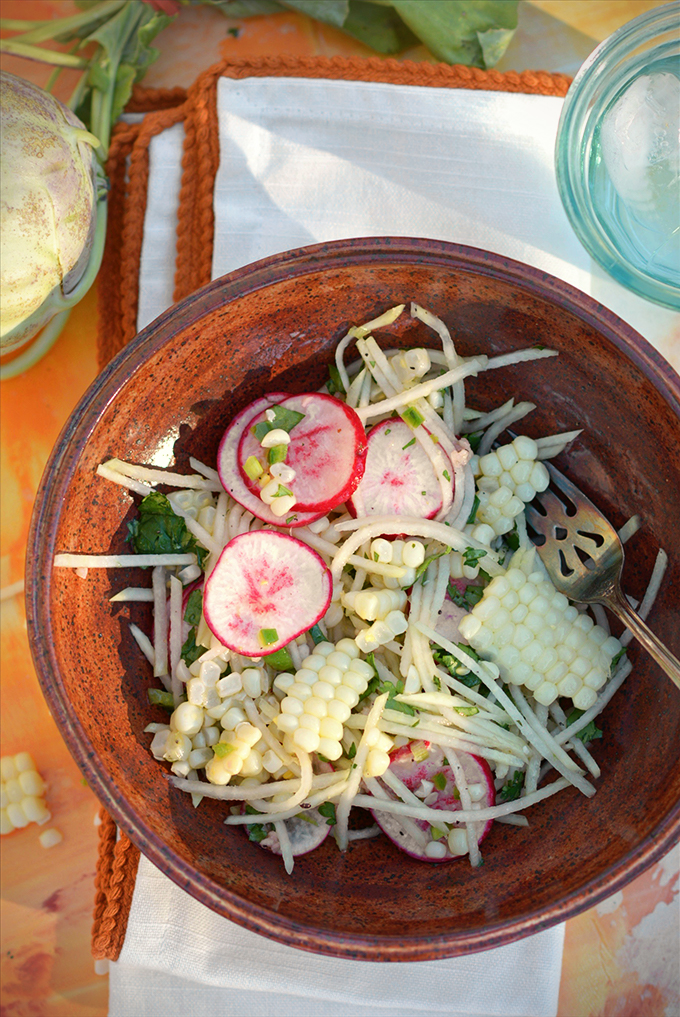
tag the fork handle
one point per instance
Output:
(644, 635)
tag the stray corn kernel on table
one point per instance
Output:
(613, 959)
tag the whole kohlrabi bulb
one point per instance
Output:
(49, 207)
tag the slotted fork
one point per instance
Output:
(584, 558)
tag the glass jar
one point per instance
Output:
(617, 155)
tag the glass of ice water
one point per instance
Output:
(618, 155)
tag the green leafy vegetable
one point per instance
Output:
(351, 751)
(194, 608)
(334, 384)
(191, 650)
(439, 781)
(617, 657)
(392, 703)
(257, 832)
(475, 439)
(448, 662)
(512, 788)
(473, 511)
(472, 32)
(284, 420)
(471, 556)
(158, 530)
(408, 444)
(327, 810)
(512, 538)
(471, 596)
(588, 733)
(423, 567)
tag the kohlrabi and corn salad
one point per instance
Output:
(350, 619)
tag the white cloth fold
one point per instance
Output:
(180, 958)
(304, 161)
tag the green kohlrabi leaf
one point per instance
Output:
(494, 43)
(449, 28)
(333, 12)
(246, 8)
(378, 26)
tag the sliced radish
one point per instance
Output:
(437, 773)
(306, 831)
(230, 475)
(266, 589)
(399, 479)
(327, 450)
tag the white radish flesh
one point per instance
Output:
(399, 478)
(230, 475)
(327, 451)
(435, 771)
(266, 589)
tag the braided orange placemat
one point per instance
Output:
(128, 170)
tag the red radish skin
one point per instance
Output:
(265, 580)
(230, 475)
(327, 450)
(412, 773)
(399, 478)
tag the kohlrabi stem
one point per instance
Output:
(45, 56)
(46, 30)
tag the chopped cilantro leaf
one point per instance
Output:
(257, 832)
(157, 529)
(471, 595)
(617, 657)
(192, 612)
(327, 810)
(392, 703)
(351, 751)
(439, 781)
(334, 383)
(588, 733)
(423, 567)
(408, 444)
(473, 511)
(474, 440)
(512, 538)
(446, 475)
(471, 556)
(512, 788)
(191, 650)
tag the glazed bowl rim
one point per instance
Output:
(56, 480)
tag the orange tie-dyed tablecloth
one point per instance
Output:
(620, 959)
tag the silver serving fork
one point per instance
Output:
(584, 558)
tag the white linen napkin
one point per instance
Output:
(305, 161)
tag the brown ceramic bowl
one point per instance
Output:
(170, 394)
